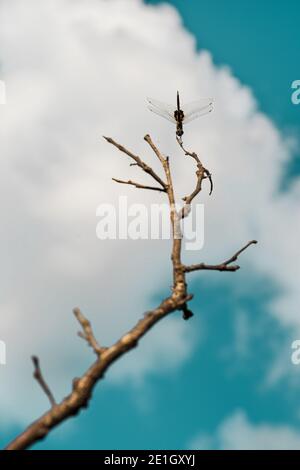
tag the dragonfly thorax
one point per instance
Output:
(179, 115)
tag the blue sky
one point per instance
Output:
(238, 339)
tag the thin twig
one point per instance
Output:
(87, 332)
(201, 173)
(138, 185)
(225, 266)
(146, 168)
(37, 374)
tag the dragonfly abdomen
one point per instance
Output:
(179, 128)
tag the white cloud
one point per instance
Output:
(75, 70)
(238, 433)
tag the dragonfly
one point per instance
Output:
(181, 116)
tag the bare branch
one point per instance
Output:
(37, 374)
(146, 168)
(83, 386)
(87, 332)
(178, 300)
(225, 266)
(138, 185)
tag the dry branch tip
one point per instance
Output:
(225, 266)
(87, 332)
(37, 374)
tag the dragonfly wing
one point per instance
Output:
(197, 109)
(162, 114)
(162, 109)
(195, 115)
